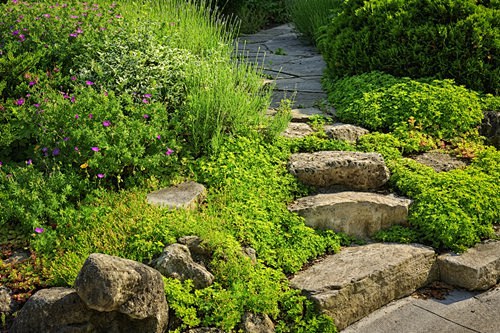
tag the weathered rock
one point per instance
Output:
(107, 283)
(54, 310)
(476, 269)
(7, 305)
(349, 285)
(176, 262)
(199, 252)
(359, 214)
(302, 115)
(490, 128)
(185, 195)
(355, 170)
(297, 130)
(256, 323)
(18, 256)
(346, 132)
(250, 253)
(205, 330)
(440, 162)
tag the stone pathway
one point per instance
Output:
(350, 285)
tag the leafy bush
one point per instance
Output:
(468, 200)
(426, 109)
(443, 39)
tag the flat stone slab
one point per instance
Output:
(297, 130)
(358, 214)
(185, 195)
(362, 171)
(359, 280)
(346, 132)
(476, 269)
(459, 312)
(302, 115)
(302, 99)
(440, 161)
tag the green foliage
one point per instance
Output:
(397, 234)
(454, 209)
(441, 38)
(422, 111)
(309, 16)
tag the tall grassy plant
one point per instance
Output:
(310, 15)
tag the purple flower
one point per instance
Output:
(56, 152)
(145, 116)
(77, 116)
(89, 83)
(106, 123)
(15, 32)
(79, 31)
(1, 163)
(39, 230)
(29, 162)
(95, 148)
(101, 175)
(20, 101)
(73, 78)
(169, 152)
(91, 116)
(22, 37)
(73, 35)
(72, 99)
(76, 148)
(36, 105)
(31, 84)
(45, 149)
(66, 138)
(145, 101)
(158, 137)
(147, 95)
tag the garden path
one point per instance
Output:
(357, 283)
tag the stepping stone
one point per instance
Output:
(302, 115)
(476, 269)
(186, 195)
(440, 161)
(358, 214)
(357, 281)
(346, 132)
(302, 99)
(362, 171)
(297, 130)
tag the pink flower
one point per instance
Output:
(20, 101)
(101, 175)
(76, 148)
(145, 116)
(73, 78)
(95, 149)
(169, 152)
(39, 230)
(106, 123)
(89, 83)
(91, 116)
(77, 116)
(158, 137)
(145, 101)
(147, 95)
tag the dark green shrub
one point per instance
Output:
(440, 38)
(425, 109)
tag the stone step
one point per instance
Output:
(361, 171)
(358, 214)
(359, 280)
(346, 132)
(476, 269)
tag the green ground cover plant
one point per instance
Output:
(443, 39)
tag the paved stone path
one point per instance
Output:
(296, 68)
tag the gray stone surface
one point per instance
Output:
(256, 323)
(297, 130)
(490, 128)
(302, 115)
(459, 312)
(476, 269)
(107, 283)
(355, 282)
(250, 253)
(197, 249)
(440, 161)
(358, 214)
(185, 195)
(361, 171)
(346, 132)
(176, 262)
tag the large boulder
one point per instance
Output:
(107, 283)
(362, 171)
(355, 282)
(185, 195)
(358, 214)
(476, 269)
(176, 262)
